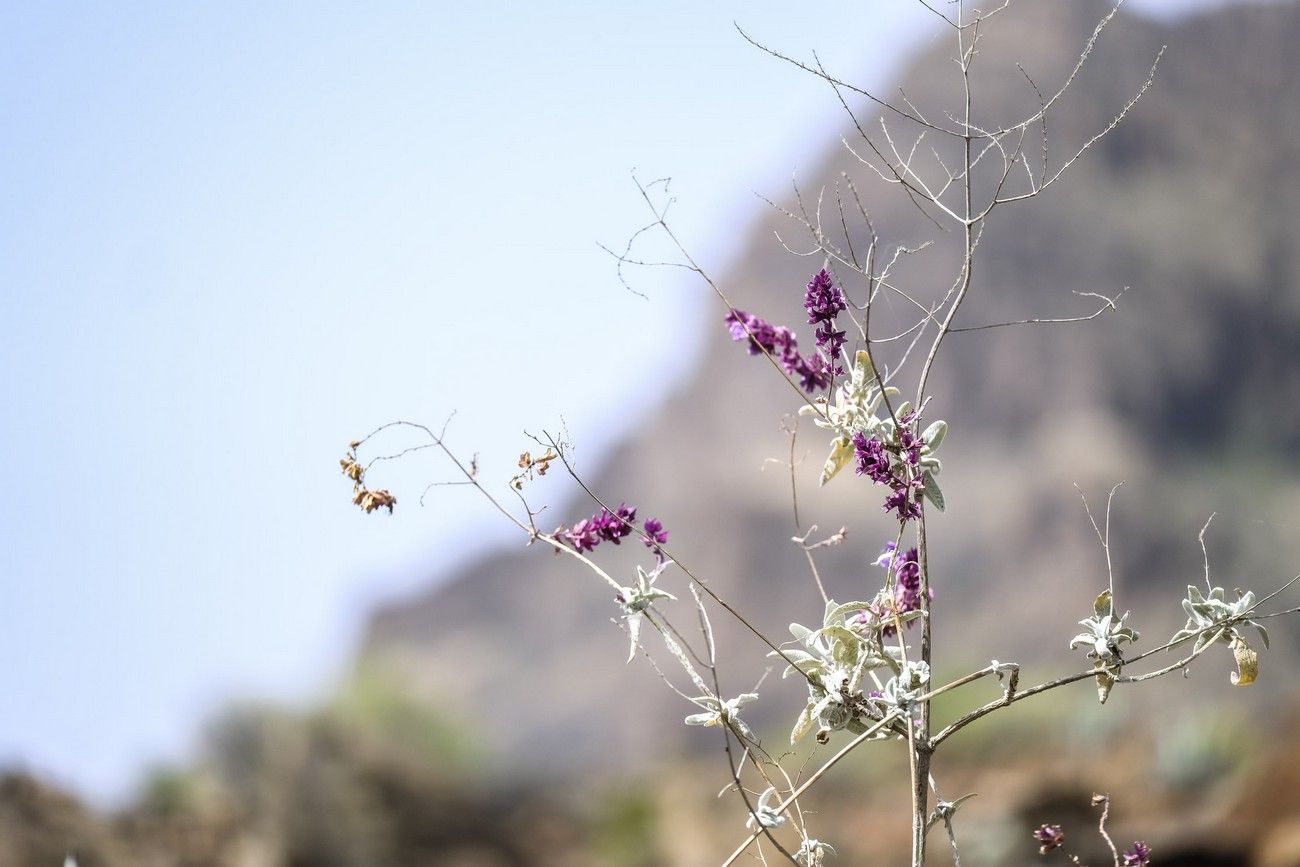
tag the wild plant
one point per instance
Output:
(866, 663)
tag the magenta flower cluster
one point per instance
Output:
(1049, 837)
(907, 580)
(607, 526)
(780, 343)
(901, 477)
(824, 301)
(1137, 855)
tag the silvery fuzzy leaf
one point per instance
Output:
(827, 620)
(932, 491)
(802, 725)
(800, 632)
(633, 634)
(838, 633)
(794, 657)
(841, 454)
(1083, 639)
(839, 612)
(808, 668)
(702, 719)
(878, 398)
(934, 434)
(932, 465)
(1194, 594)
(863, 373)
(764, 815)
(902, 408)
(1101, 606)
(817, 407)
(1204, 639)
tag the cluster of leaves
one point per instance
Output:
(855, 417)
(1212, 618)
(841, 658)
(362, 496)
(1103, 634)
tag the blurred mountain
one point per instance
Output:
(1187, 393)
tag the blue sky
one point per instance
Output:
(235, 236)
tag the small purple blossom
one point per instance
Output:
(813, 372)
(907, 575)
(873, 460)
(823, 299)
(903, 500)
(654, 536)
(830, 340)
(655, 532)
(907, 582)
(1137, 855)
(613, 527)
(759, 332)
(584, 536)
(909, 443)
(1049, 837)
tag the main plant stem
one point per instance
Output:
(920, 741)
(921, 746)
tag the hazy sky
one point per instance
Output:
(236, 236)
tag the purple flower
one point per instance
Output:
(814, 372)
(655, 532)
(584, 536)
(761, 334)
(823, 299)
(907, 582)
(1137, 855)
(908, 442)
(829, 339)
(607, 526)
(1049, 837)
(873, 461)
(901, 499)
(613, 526)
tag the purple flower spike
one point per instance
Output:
(584, 536)
(1137, 855)
(655, 532)
(823, 299)
(607, 526)
(872, 459)
(813, 372)
(1049, 837)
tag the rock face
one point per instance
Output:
(1188, 393)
